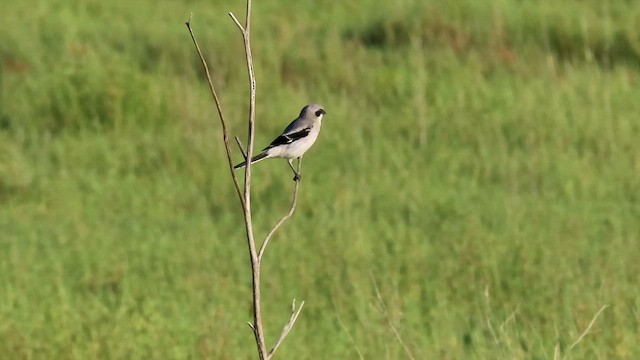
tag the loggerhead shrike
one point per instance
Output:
(296, 139)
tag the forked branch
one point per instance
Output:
(245, 195)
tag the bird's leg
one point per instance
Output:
(296, 176)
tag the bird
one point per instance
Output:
(295, 140)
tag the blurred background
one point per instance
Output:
(474, 193)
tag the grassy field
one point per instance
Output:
(474, 194)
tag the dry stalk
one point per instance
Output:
(245, 195)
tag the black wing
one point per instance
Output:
(289, 138)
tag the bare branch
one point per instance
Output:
(286, 216)
(287, 328)
(245, 195)
(225, 134)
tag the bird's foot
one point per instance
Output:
(297, 177)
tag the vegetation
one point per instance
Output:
(474, 194)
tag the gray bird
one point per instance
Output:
(295, 140)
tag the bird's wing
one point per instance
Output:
(288, 138)
(297, 125)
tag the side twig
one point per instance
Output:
(286, 216)
(244, 154)
(285, 331)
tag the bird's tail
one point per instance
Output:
(255, 159)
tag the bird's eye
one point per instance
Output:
(319, 112)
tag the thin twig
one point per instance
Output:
(288, 326)
(225, 135)
(235, 20)
(241, 149)
(286, 216)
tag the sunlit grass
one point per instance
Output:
(478, 165)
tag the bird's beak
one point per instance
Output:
(323, 112)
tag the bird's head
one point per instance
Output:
(313, 110)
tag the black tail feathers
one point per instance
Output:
(256, 158)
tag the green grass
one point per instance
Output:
(479, 165)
